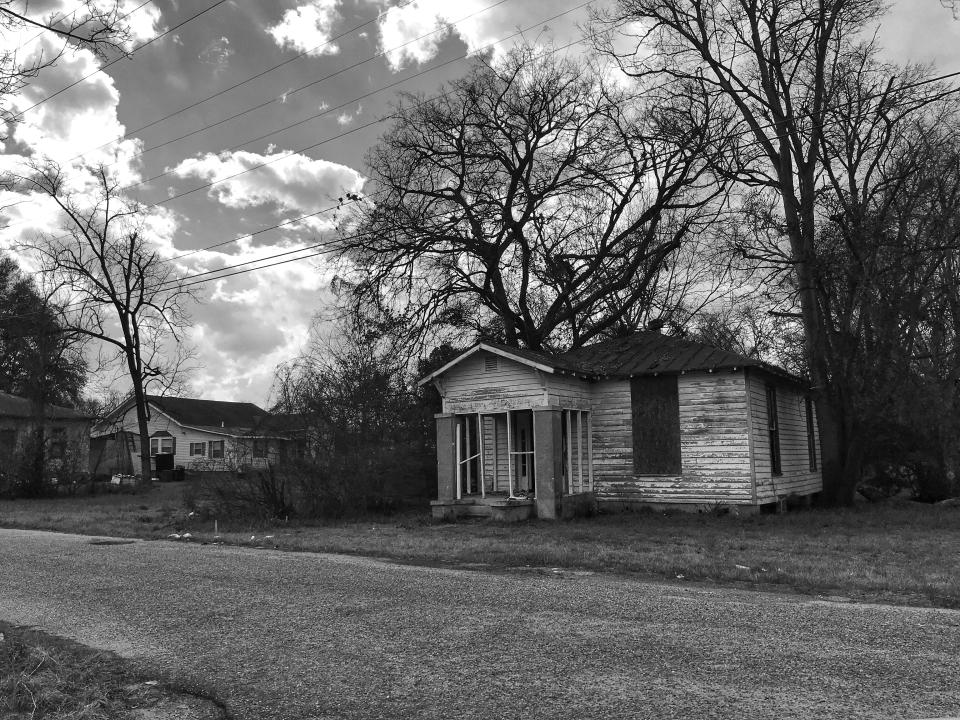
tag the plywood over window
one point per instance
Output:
(655, 407)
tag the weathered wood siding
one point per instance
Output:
(470, 387)
(796, 477)
(568, 392)
(714, 440)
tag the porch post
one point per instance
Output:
(548, 463)
(446, 456)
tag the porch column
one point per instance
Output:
(548, 463)
(446, 456)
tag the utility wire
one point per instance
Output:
(358, 236)
(326, 111)
(233, 87)
(341, 135)
(101, 69)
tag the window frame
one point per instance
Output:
(215, 449)
(811, 434)
(157, 445)
(198, 449)
(773, 431)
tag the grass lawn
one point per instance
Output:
(898, 551)
(47, 678)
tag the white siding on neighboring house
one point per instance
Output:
(796, 477)
(236, 451)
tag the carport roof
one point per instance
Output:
(21, 407)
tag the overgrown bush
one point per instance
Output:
(305, 489)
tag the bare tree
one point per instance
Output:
(94, 25)
(119, 291)
(532, 197)
(815, 116)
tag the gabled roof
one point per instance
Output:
(209, 413)
(641, 353)
(217, 416)
(21, 407)
(537, 360)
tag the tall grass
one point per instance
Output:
(901, 552)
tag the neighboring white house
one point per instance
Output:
(640, 420)
(188, 433)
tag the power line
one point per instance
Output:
(324, 244)
(326, 111)
(341, 135)
(315, 115)
(101, 69)
(234, 86)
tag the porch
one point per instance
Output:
(514, 463)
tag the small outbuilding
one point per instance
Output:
(65, 433)
(645, 419)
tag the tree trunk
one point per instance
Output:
(841, 448)
(140, 401)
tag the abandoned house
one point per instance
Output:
(190, 434)
(66, 434)
(645, 419)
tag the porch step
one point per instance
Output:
(475, 510)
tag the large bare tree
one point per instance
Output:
(117, 290)
(818, 125)
(533, 199)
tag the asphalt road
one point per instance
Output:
(288, 635)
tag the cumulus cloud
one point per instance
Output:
(295, 182)
(249, 324)
(78, 129)
(407, 32)
(308, 28)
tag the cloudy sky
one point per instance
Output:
(286, 143)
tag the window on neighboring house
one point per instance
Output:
(773, 430)
(198, 448)
(163, 446)
(811, 435)
(58, 443)
(259, 448)
(216, 448)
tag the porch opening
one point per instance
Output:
(496, 453)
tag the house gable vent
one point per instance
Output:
(491, 362)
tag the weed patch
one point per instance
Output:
(897, 551)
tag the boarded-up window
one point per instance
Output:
(656, 425)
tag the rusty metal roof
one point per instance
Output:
(641, 353)
(650, 353)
